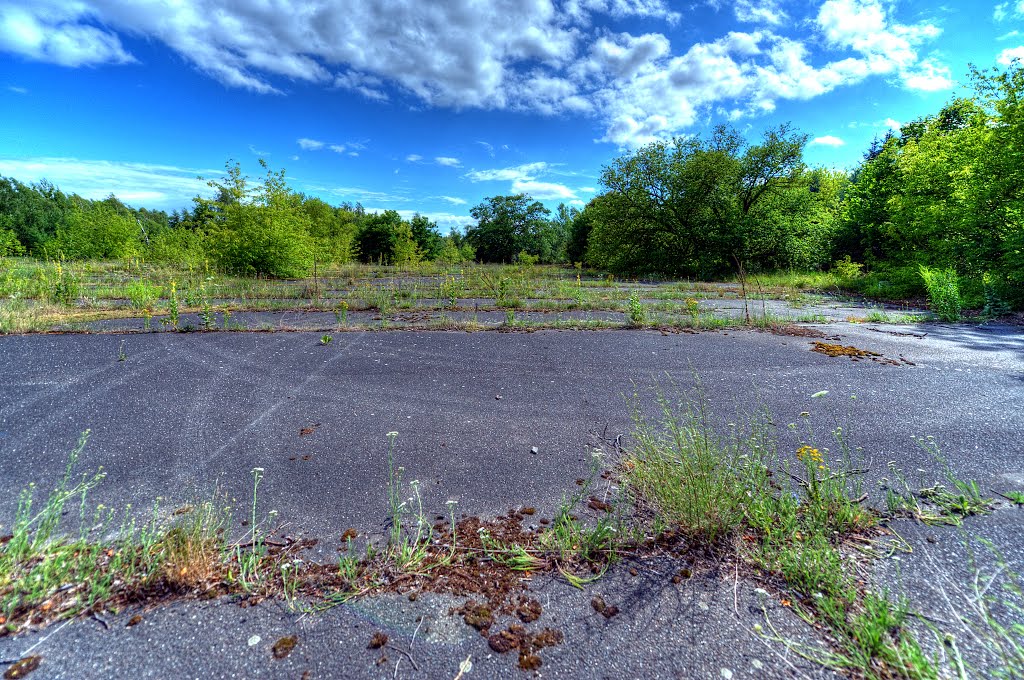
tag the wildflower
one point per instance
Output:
(809, 453)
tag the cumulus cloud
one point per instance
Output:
(43, 31)
(1007, 56)
(310, 144)
(154, 186)
(524, 172)
(443, 220)
(448, 161)
(928, 76)
(542, 190)
(828, 140)
(1006, 9)
(864, 26)
(542, 56)
(759, 11)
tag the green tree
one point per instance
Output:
(688, 206)
(96, 231)
(258, 230)
(509, 225)
(427, 238)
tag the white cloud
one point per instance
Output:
(523, 172)
(489, 148)
(828, 140)
(928, 76)
(893, 124)
(542, 190)
(142, 184)
(1008, 36)
(309, 144)
(414, 158)
(444, 220)
(17, 90)
(885, 47)
(1005, 9)
(454, 200)
(448, 161)
(759, 11)
(41, 32)
(542, 56)
(1007, 56)
(337, 148)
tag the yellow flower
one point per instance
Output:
(807, 452)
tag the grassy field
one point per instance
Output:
(40, 295)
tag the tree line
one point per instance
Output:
(944, 191)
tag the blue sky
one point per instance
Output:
(432, 106)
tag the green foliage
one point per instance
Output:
(97, 231)
(637, 311)
(847, 268)
(943, 292)
(689, 206)
(9, 243)
(509, 225)
(261, 230)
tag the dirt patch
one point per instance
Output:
(857, 354)
(284, 646)
(22, 667)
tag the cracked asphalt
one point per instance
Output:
(186, 413)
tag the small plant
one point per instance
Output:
(173, 312)
(510, 317)
(121, 354)
(637, 312)
(693, 309)
(141, 294)
(846, 268)
(326, 339)
(995, 306)
(943, 292)
(65, 286)
(206, 311)
(341, 313)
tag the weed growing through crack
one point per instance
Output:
(122, 356)
(341, 313)
(935, 502)
(785, 514)
(173, 311)
(637, 313)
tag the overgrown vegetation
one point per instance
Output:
(688, 485)
(934, 208)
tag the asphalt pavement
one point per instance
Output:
(177, 415)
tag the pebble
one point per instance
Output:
(534, 450)
(254, 640)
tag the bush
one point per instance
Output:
(943, 292)
(9, 243)
(846, 268)
(94, 233)
(263, 241)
